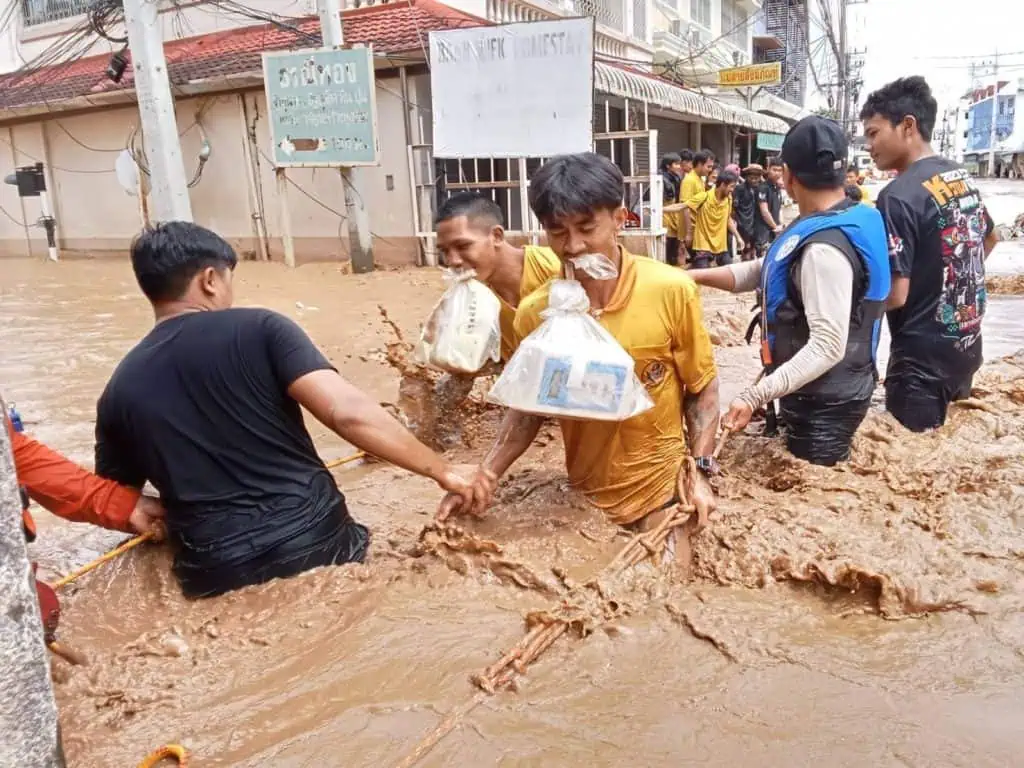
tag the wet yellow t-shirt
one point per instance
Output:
(539, 265)
(629, 468)
(711, 224)
(692, 191)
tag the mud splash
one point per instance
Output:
(779, 633)
(1005, 284)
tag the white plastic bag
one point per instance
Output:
(571, 367)
(463, 331)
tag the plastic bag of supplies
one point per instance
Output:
(571, 367)
(463, 332)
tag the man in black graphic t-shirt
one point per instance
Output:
(768, 216)
(206, 408)
(939, 236)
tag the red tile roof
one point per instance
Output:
(394, 28)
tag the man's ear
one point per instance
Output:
(208, 281)
(619, 215)
(497, 235)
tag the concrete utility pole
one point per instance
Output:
(995, 114)
(156, 112)
(842, 69)
(352, 179)
(28, 713)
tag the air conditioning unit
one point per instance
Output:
(692, 34)
(739, 58)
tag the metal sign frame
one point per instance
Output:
(367, 51)
(439, 34)
(775, 79)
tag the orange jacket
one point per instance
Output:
(65, 489)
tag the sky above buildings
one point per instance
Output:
(938, 39)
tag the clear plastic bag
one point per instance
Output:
(463, 332)
(571, 367)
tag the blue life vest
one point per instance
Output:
(858, 232)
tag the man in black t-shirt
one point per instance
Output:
(207, 408)
(939, 237)
(768, 217)
(745, 207)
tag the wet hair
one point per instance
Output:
(668, 159)
(686, 156)
(475, 207)
(571, 185)
(165, 257)
(854, 193)
(726, 177)
(702, 157)
(900, 98)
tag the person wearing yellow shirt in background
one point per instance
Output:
(713, 222)
(692, 190)
(471, 235)
(853, 178)
(630, 469)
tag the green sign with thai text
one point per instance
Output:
(770, 142)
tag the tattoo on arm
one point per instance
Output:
(701, 413)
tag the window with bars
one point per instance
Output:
(700, 12)
(42, 11)
(735, 24)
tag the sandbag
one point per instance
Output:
(571, 367)
(463, 332)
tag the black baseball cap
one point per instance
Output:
(816, 151)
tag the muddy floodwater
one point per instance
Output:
(863, 615)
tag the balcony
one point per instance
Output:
(691, 53)
(623, 27)
(43, 11)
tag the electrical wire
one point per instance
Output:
(9, 216)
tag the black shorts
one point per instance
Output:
(672, 251)
(821, 431)
(705, 259)
(920, 404)
(333, 540)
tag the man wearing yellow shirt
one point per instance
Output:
(853, 177)
(629, 469)
(471, 235)
(691, 190)
(713, 222)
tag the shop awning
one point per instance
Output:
(630, 84)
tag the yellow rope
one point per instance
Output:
(130, 544)
(347, 460)
(168, 751)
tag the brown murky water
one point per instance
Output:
(785, 650)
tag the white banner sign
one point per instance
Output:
(517, 90)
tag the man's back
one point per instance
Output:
(937, 225)
(200, 409)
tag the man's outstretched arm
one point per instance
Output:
(360, 420)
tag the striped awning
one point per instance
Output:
(635, 86)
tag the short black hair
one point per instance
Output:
(775, 162)
(702, 157)
(473, 206)
(165, 257)
(726, 177)
(570, 185)
(906, 96)
(854, 193)
(853, 169)
(668, 159)
(686, 155)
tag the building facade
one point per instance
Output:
(985, 107)
(66, 112)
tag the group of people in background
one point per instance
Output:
(710, 213)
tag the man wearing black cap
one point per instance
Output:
(824, 284)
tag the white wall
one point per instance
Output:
(95, 215)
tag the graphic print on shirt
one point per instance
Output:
(962, 226)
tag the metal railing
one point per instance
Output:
(42, 11)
